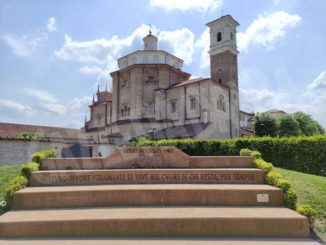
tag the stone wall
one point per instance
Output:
(14, 152)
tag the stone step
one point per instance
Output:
(99, 163)
(147, 195)
(156, 221)
(158, 241)
(148, 176)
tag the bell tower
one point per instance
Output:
(223, 51)
(224, 64)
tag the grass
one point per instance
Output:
(7, 173)
(311, 189)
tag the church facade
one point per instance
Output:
(152, 95)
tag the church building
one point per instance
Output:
(151, 94)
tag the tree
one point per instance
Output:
(307, 125)
(265, 125)
(288, 126)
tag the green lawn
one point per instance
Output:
(7, 173)
(311, 189)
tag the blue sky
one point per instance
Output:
(54, 53)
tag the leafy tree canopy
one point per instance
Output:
(265, 125)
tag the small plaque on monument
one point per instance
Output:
(262, 198)
(147, 157)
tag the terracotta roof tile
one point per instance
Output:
(186, 82)
(9, 131)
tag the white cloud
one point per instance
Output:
(319, 82)
(12, 105)
(39, 94)
(51, 25)
(22, 46)
(181, 41)
(98, 51)
(311, 101)
(186, 5)
(79, 104)
(91, 70)
(104, 52)
(267, 30)
(71, 114)
(203, 44)
(26, 45)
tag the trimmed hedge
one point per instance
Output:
(275, 178)
(304, 154)
(29, 167)
(41, 155)
(16, 184)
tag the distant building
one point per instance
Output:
(247, 124)
(152, 95)
(275, 113)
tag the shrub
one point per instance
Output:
(265, 166)
(284, 184)
(304, 154)
(255, 154)
(245, 152)
(30, 136)
(307, 211)
(29, 167)
(41, 155)
(17, 183)
(290, 198)
(272, 177)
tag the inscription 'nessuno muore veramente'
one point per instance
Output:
(134, 177)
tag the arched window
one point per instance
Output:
(221, 103)
(219, 36)
(193, 104)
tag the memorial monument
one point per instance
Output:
(151, 192)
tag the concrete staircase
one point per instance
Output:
(211, 205)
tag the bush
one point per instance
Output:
(30, 136)
(304, 154)
(16, 184)
(307, 211)
(245, 152)
(255, 154)
(290, 198)
(272, 177)
(284, 184)
(265, 166)
(29, 167)
(41, 155)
